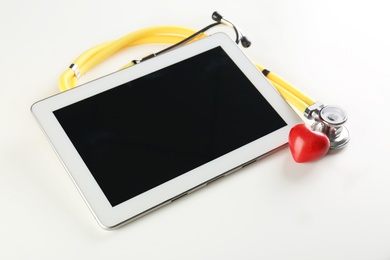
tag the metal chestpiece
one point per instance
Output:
(329, 120)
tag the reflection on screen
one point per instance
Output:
(150, 130)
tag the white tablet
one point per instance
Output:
(140, 138)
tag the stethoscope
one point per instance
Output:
(329, 120)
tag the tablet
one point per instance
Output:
(142, 137)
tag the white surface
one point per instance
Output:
(336, 208)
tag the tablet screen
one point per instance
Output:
(150, 130)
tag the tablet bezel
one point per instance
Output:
(112, 217)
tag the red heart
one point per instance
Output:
(307, 145)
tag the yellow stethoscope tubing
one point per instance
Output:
(95, 55)
(168, 35)
(295, 97)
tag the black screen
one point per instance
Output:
(150, 130)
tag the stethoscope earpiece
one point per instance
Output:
(216, 17)
(245, 42)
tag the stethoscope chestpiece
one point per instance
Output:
(329, 120)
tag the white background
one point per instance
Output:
(337, 51)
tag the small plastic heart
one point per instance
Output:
(307, 145)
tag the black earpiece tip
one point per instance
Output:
(245, 42)
(216, 16)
